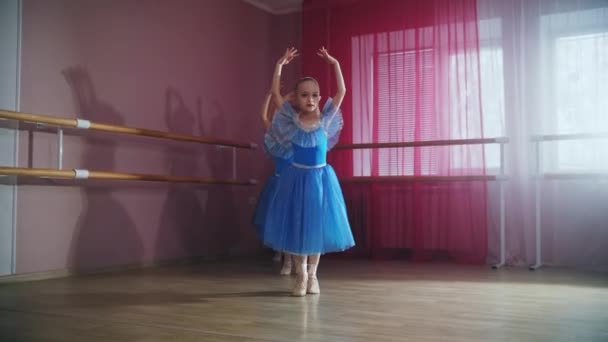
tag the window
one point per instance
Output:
(581, 101)
(406, 93)
(492, 102)
(575, 52)
(403, 89)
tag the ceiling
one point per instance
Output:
(277, 6)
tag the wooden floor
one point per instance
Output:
(360, 301)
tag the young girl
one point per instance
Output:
(308, 215)
(269, 189)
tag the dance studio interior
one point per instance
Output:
(303, 170)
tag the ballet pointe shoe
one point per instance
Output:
(313, 285)
(313, 281)
(287, 266)
(301, 286)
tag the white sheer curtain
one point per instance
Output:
(545, 72)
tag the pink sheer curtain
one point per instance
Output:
(412, 70)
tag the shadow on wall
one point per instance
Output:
(182, 229)
(105, 235)
(197, 220)
(221, 209)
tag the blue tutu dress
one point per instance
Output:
(267, 194)
(308, 214)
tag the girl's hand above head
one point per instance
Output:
(326, 56)
(290, 54)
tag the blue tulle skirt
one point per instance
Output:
(261, 210)
(307, 214)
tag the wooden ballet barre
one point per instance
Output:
(86, 124)
(423, 143)
(89, 174)
(576, 136)
(402, 179)
(586, 175)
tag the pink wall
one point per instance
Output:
(188, 66)
(286, 31)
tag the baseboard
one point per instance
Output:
(63, 273)
(35, 276)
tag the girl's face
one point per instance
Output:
(307, 96)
